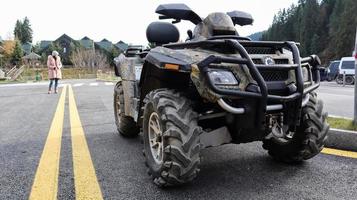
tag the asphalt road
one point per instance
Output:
(227, 172)
(338, 100)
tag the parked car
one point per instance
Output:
(347, 67)
(323, 73)
(332, 70)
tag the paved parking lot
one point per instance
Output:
(338, 100)
(88, 158)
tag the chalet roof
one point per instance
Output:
(44, 44)
(85, 38)
(87, 44)
(32, 56)
(121, 45)
(27, 47)
(64, 37)
(105, 44)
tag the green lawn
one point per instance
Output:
(30, 74)
(67, 73)
(340, 123)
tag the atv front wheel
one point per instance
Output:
(171, 138)
(125, 124)
(309, 138)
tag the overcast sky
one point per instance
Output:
(120, 19)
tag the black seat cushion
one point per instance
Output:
(162, 33)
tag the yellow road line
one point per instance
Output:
(85, 179)
(46, 179)
(336, 152)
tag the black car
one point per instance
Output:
(332, 71)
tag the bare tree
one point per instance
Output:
(89, 59)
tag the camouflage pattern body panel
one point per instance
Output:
(191, 57)
(214, 24)
(127, 66)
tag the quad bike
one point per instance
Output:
(213, 89)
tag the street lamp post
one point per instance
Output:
(355, 103)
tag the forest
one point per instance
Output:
(323, 27)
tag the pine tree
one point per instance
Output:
(26, 31)
(23, 31)
(323, 27)
(17, 53)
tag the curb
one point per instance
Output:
(342, 139)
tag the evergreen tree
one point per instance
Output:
(323, 27)
(17, 53)
(18, 30)
(23, 30)
(26, 31)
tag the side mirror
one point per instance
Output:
(241, 18)
(190, 34)
(177, 12)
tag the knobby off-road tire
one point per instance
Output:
(179, 138)
(125, 124)
(309, 138)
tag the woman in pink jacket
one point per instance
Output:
(54, 70)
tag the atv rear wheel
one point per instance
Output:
(309, 138)
(125, 124)
(171, 138)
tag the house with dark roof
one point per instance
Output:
(65, 45)
(86, 43)
(44, 44)
(121, 46)
(27, 48)
(104, 45)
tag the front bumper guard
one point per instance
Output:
(274, 107)
(299, 96)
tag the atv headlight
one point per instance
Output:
(220, 77)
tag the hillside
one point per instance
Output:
(323, 27)
(256, 36)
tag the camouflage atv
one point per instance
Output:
(216, 88)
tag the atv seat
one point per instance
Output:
(162, 33)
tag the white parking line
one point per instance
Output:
(24, 84)
(77, 84)
(109, 83)
(93, 84)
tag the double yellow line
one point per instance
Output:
(45, 185)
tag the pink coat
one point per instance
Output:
(54, 67)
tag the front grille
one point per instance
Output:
(257, 61)
(260, 50)
(269, 75)
(281, 61)
(278, 61)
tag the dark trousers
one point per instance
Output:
(51, 83)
